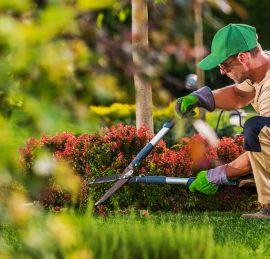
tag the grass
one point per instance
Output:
(9, 235)
(195, 235)
(226, 226)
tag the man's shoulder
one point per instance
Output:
(246, 86)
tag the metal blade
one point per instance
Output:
(105, 179)
(124, 177)
(112, 190)
(206, 131)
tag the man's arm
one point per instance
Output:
(240, 166)
(226, 98)
(230, 98)
(208, 181)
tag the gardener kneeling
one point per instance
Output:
(237, 53)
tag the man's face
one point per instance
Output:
(233, 69)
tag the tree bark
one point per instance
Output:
(140, 47)
(198, 36)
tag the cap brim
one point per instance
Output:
(210, 62)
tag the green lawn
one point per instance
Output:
(196, 235)
(226, 227)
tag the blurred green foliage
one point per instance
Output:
(46, 84)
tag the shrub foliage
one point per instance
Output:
(109, 152)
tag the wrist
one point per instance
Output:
(206, 98)
(218, 176)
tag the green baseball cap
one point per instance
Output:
(228, 41)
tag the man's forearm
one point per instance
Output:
(240, 166)
(230, 98)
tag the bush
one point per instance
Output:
(230, 148)
(110, 152)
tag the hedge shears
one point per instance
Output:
(200, 126)
(128, 172)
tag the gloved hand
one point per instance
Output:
(187, 104)
(200, 98)
(201, 184)
(208, 181)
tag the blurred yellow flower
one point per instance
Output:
(19, 209)
(85, 5)
(123, 110)
(82, 254)
(63, 230)
(65, 177)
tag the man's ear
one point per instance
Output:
(243, 58)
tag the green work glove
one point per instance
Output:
(186, 104)
(201, 98)
(201, 184)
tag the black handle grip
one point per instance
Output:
(142, 154)
(190, 181)
(169, 124)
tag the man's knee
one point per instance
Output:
(252, 130)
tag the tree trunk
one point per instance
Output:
(140, 48)
(199, 47)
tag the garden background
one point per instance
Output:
(66, 71)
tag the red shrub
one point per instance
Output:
(168, 163)
(230, 148)
(28, 153)
(111, 151)
(53, 196)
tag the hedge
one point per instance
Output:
(109, 152)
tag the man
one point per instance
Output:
(239, 56)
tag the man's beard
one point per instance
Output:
(239, 80)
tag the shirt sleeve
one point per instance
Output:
(246, 86)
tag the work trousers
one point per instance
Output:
(257, 143)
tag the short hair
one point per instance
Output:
(253, 52)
